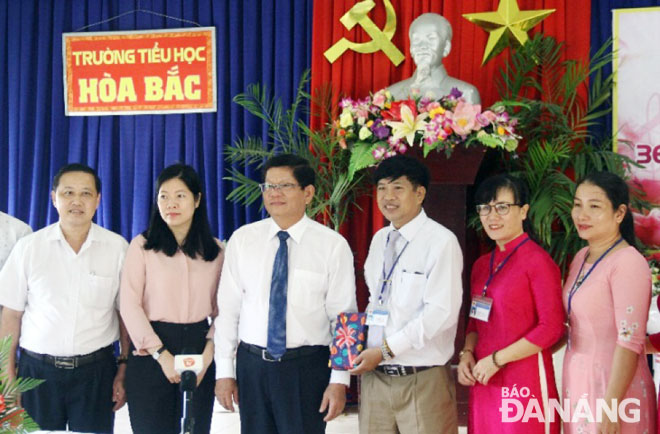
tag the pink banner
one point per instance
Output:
(636, 116)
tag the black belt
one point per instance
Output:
(400, 371)
(73, 361)
(292, 353)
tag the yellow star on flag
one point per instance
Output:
(509, 21)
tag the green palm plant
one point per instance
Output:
(556, 127)
(13, 418)
(288, 131)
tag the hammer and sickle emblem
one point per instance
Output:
(380, 40)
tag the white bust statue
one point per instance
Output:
(430, 41)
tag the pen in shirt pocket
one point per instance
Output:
(419, 273)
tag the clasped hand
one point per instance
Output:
(469, 372)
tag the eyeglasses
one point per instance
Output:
(501, 208)
(286, 187)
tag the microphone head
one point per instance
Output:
(188, 381)
(188, 362)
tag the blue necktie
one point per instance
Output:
(277, 311)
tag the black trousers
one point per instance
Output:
(155, 406)
(80, 397)
(282, 397)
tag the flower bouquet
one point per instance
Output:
(377, 127)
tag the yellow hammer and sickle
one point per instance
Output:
(380, 40)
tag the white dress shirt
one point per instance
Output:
(69, 300)
(426, 291)
(11, 230)
(321, 284)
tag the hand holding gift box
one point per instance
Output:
(348, 340)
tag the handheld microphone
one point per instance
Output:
(188, 366)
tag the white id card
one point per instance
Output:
(480, 308)
(377, 317)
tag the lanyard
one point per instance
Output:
(386, 279)
(499, 267)
(578, 282)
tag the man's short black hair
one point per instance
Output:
(76, 167)
(302, 171)
(401, 165)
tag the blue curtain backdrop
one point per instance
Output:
(265, 41)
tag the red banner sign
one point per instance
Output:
(139, 72)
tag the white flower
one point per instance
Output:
(630, 309)
(365, 133)
(409, 125)
(625, 334)
(345, 119)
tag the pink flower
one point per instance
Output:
(424, 101)
(378, 153)
(465, 118)
(393, 141)
(489, 115)
(486, 118)
(379, 99)
(651, 187)
(346, 103)
(432, 105)
(503, 117)
(647, 227)
(482, 120)
(362, 113)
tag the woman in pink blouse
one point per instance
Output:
(167, 300)
(516, 316)
(607, 296)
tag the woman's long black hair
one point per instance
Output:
(199, 240)
(617, 192)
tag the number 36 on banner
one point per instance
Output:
(645, 154)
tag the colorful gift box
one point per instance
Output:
(348, 341)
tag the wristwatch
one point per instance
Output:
(463, 352)
(156, 354)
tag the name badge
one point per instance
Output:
(377, 317)
(481, 307)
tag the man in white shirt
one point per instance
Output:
(11, 230)
(413, 272)
(284, 280)
(59, 292)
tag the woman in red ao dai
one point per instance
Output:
(506, 360)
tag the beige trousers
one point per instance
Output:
(422, 403)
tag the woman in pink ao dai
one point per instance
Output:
(607, 295)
